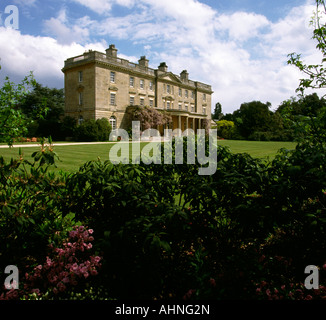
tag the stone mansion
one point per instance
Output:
(101, 85)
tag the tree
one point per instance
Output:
(251, 117)
(217, 115)
(93, 130)
(13, 122)
(42, 99)
(314, 126)
(225, 129)
(316, 74)
(303, 117)
(104, 129)
(150, 118)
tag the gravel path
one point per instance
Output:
(76, 143)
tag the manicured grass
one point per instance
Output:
(72, 157)
(257, 149)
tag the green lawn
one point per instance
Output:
(257, 149)
(72, 157)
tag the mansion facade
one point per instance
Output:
(102, 85)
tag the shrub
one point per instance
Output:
(68, 265)
(65, 268)
(164, 231)
(29, 215)
(91, 130)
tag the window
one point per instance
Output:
(112, 99)
(142, 101)
(192, 108)
(81, 98)
(151, 85)
(151, 102)
(113, 122)
(192, 94)
(186, 107)
(204, 110)
(112, 77)
(204, 96)
(186, 93)
(180, 106)
(180, 92)
(168, 105)
(142, 84)
(132, 100)
(80, 76)
(168, 88)
(131, 81)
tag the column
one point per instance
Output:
(179, 127)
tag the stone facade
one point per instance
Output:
(101, 85)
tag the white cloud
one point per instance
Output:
(65, 34)
(291, 33)
(45, 56)
(241, 26)
(99, 6)
(104, 6)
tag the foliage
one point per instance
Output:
(68, 266)
(217, 115)
(93, 130)
(254, 121)
(225, 129)
(315, 72)
(40, 99)
(150, 117)
(29, 218)
(181, 231)
(185, 235)
(255, 116)
(13, 123)
(63, 271)
(304, 118)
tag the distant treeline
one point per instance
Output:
(255, 121)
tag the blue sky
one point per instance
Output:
(240, 47)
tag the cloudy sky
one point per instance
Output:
(240, 47)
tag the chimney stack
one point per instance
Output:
(163, 67)
(112, 51)
(184, 75)
(143, 62)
